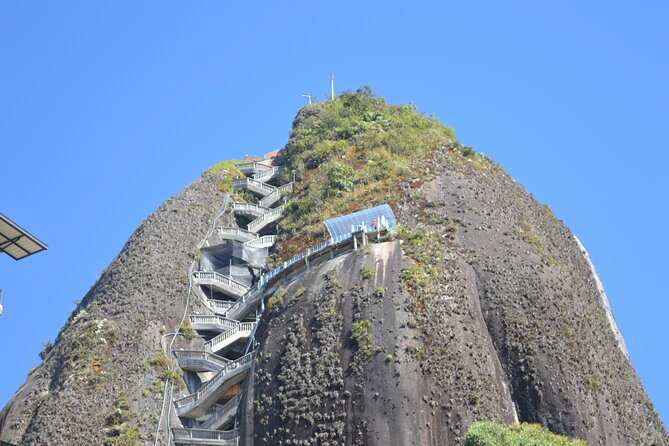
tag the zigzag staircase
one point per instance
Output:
(206, 410)
(210, 411)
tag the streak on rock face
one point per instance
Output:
(605, 300)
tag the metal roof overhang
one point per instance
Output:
(383, 216)
(16, 241)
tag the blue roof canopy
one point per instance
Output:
(367, 220)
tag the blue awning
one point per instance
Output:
(368, 220)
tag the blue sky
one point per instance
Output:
(109, 108)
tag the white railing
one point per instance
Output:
(259, 187)
(197, 319)
(257, 165)
(220, 412)
(262, 242)
(206, 434)
(218, 379)
(222, 305)
(249, 208)
(268, 174)
(270, 199)
(247, 299)
(288, 187)
(265, 219)
(226, 281)
(275, 196)
(213, 344)
(239, 234)
(201, 355)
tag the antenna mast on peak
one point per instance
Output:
(332, 86)
(308, 96)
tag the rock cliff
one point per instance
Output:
(481, 306)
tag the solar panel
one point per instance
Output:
(16, 241)
(368, 220)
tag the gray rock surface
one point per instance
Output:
(510, 325)
(99, 356)
(489, 311)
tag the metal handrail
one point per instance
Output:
(271, 172)
(205, 434)
(251, 165)
(201, 354)
(266, 218)
(276, 195)
(223, 304)
(251, 183)
(285, 187)
(239, 327)
(252, 207)
(218, 277)
(268, 240)
(218, 379)
(219, 410)
(212, 319)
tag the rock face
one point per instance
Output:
(97, 384)
(483, 307)
(509, 326)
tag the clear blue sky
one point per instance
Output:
(109, 108)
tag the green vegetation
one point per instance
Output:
(118, 431)
(527, 232)
(165, 370)
(86, 358)
(298, 293)
(276, 300)
(362, 339)
(47, 347)
(379, 291)
(424, 248)
(351, 153)
(389, 358)
(593, 382)
(228, 172)
(367, 273)
(183, 279)
(187, 330)
(520, 434)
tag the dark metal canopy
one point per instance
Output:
(16, 241)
